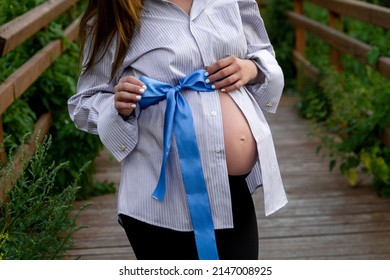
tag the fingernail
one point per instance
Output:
(207, 80)
(206, 73)
(213, 87)
(142, 90)
(144, 86)
(133, 105)
(223, 90)
(138, 97)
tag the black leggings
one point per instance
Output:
(239, 243)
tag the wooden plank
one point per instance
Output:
(6, 95)
(29, 72)
(16, 84)
(104, 239)
(310, 70)
(374, 14)
(305, 206)
(384, 68)
(386, 136)
(339, 40)
(369, 221)
(71, 32)
(343, 246)
(335, 21)
(110, 253)
(23, 27)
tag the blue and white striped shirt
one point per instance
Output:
(169, 45)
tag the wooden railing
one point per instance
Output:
(14, 33)
(338, 41)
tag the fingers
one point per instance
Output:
(128, 92)
(220, 64)
(231, 73)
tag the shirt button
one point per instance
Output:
(214, 113)
(269, 105)
(123, 148)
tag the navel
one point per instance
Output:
(242, 139)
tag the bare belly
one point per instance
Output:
(240, 146)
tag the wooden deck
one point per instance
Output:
(324, 219)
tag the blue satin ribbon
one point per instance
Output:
(178, 120)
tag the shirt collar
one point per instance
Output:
(197, 7)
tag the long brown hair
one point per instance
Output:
(108, 17)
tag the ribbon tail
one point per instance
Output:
(159, 191)
(194, 182)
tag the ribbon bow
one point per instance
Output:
(178, 120)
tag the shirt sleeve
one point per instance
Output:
(92, 108)
(267, 94)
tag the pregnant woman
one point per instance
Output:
(175, 89)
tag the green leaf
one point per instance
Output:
(353, 177)
(373, 55)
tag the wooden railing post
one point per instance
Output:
(300, 45)
(335, 21)
(300, 33)
(2, 150)
(2, 157)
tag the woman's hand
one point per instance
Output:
(128, 92)
(231, 73)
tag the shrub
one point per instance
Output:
(36, 222)
(354, 116)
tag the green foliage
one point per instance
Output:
(312, 104)
(37, 223)
(376, 37)
(18, 120)
(11, 9)
(75, 145)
